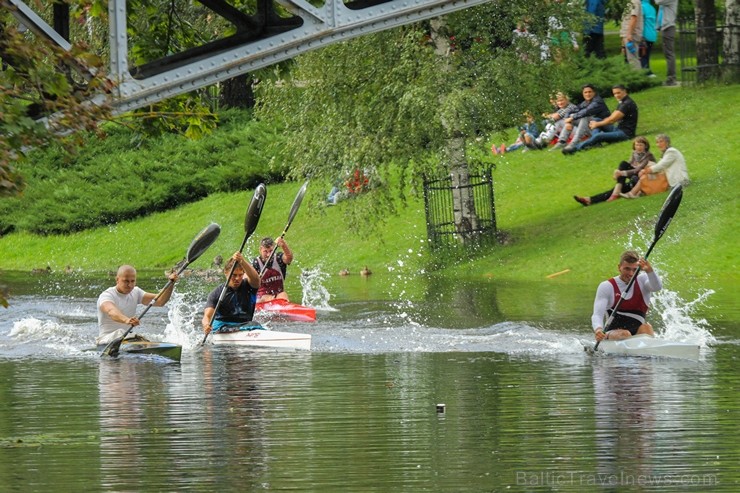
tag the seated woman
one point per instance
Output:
(562, 108)
(666, 173)
(627, 174)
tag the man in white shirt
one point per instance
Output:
(117, 304)
(629, 319)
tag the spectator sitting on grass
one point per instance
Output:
(626, 176)
(563, 108)
(591, 107)
(527, 133)
(620, 125)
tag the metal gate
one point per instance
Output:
(691, 72)
(440, 206)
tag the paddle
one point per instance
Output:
(664, 219)
(197, 247)
(293, 211)
(254, 211)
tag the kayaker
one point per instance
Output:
(630, 317)
(237, 305)
(117, 304)
(272, 285)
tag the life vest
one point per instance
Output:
(273, 277)
(237, 305)
(635, 306)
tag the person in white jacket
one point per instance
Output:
(672, 164)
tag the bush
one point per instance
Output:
(128, 175)
(605, 73)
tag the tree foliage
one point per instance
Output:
(44, 93)
(390, 102)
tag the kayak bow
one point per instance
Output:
(279, 308)
(645, 345)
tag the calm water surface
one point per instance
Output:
(525, 408)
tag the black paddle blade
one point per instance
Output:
(202, 242)
(254, 211)
(297, 203)
(197, 247)
(668, 211)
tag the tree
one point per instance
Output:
(415, 100)
(732, 40)
(237, 92)
(44, 94)
(707, 46)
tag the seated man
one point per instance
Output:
(625, 118)
(232, 303)
(591, 107)
(272, 269)
(629, 319)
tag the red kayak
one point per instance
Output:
(286, 309)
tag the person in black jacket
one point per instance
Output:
(620, 125)
(591, 107)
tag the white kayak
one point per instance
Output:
(645, 345)
(259, 337)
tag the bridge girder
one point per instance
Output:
(260, 40)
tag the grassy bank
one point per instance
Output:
(548, 231)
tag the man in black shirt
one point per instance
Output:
(620, 125)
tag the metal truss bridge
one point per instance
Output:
(266, 36)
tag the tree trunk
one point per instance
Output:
(707, 46)
(732, 41)
(237, 92)
(463, 203)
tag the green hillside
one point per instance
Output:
(546, 230)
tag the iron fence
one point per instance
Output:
(442, 205)
(714, 38)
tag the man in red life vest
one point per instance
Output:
(630, 317)
(271, 286)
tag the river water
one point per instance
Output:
(484, 387)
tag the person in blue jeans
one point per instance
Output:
(593, 29)
(620, 125)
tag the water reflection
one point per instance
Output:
(625, 415)
(234, 410)
(136, 430)
(645, 422)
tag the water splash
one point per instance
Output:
(184, 320)
(400, 287)
(315, 293)
(36, 337)
(678, 322)
(675, 312)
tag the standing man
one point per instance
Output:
(667, 10)
(620, 125)
(593, 29)
(117, 304)
(237, 304)
(272, 285)
(630, 317)
(631, 33)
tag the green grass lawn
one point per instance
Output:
(548, 231)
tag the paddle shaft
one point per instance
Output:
(293, 211)
(226, 285)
